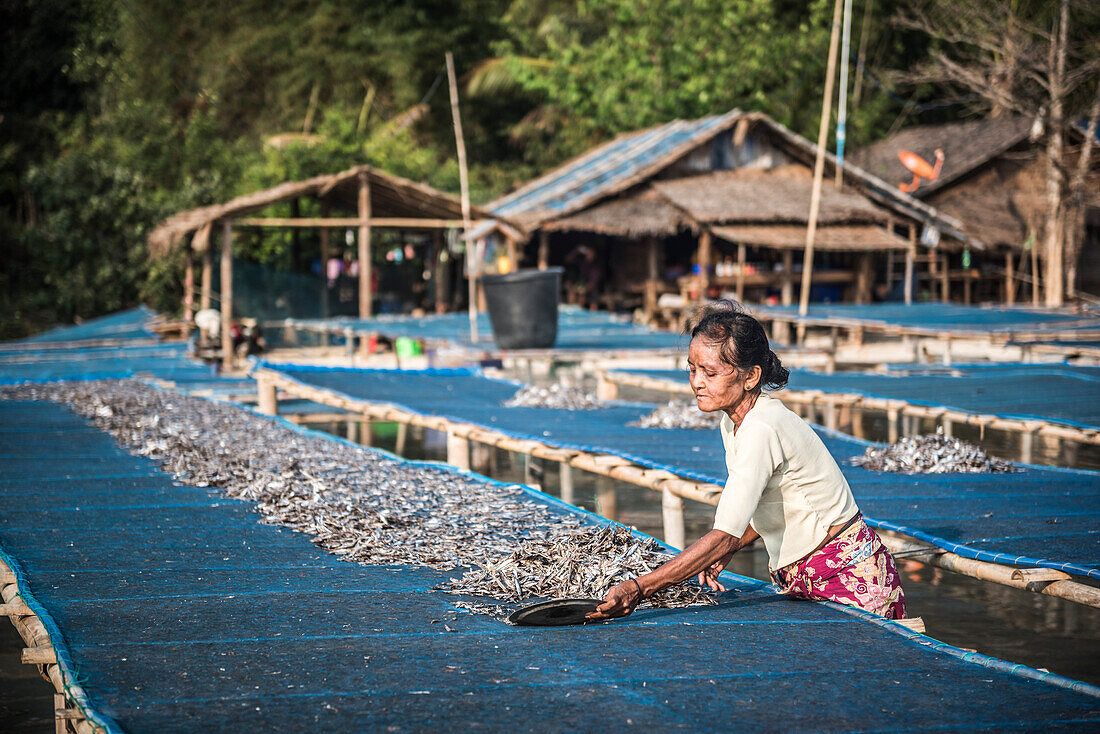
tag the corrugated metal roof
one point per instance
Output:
(608, 169)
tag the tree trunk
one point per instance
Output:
(1075, 216)
(1055, 224)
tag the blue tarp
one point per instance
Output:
(943, 317)
(176, 610)
(1057, 393)
(578, 329)
(1042, 517)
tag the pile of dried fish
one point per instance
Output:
(932, 454)
(359, 504)
(354, 502)
(679, 414)
(558, 395)
(583, 563)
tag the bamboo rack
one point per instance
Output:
(68, 714)
(674, 489)
(831, 402)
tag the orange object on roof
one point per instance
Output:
(920, 168)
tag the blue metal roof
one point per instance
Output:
(604, 170)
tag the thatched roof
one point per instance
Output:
(633, 159)
(834, 238)
(776, 195)
(966, 146)
(390, 196)
(642, 214)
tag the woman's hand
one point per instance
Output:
(709, 576)
(619, 602)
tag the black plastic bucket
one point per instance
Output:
(523, 307)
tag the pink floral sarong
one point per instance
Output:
(854, 568)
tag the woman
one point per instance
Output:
(783, 487)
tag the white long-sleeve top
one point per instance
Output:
(783, 480)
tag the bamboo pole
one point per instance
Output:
(366, 297)
(227, 295)
(910, 263)
(819, 169)
(544, 249)
(326, 255)
(188, 285)
(740, 288)
(472, 264)
(842, 105)
(1010, 280)
(1037, 580)
(201, 241)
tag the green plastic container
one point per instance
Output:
(407, 347)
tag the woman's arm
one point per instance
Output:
(701, 554)
(709, 576)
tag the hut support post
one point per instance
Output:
(672, 510)
(513, 253)
(207, 276)
(227, 295)
(781, 330)
(565, 478)
(892, 425)
(326, 255)
(740, 273)
(365, 295)
(544, 250)
(702, 256)
(458, 451)
(188, 285)
(863, 278)
(1010, 280)
(268, 403)
(439, 272)
(910, 257)
(819, 170)
(945, 282)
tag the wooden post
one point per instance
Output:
(353, 431)
(606, 499)
(227, 294)
(458, 451)
(188, 284)
(864, 275)
(740, 288)
(442, 287)
(606, 389)
(402, 438)
(967, 281)
(786, 293)
(1010, 279)
(819, 168)
(948, 427)
(481, 457)
(532, 472)
(566, 480)
(653, 259)
(207, 270)
(892, 425)
(1034, 274)
(473, 264)
(326, 255)
(365, 295)
(544, 249)
(945, 283)
(366, 432)
(513, 253)
(268, 402)
(672, 512)
(702, 256)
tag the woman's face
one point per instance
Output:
(717, 385)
